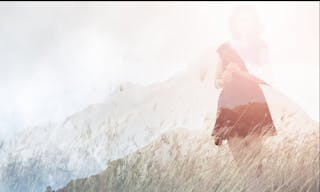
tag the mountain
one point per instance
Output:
(132, 118)
(185, 159)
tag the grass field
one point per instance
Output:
(187, 161)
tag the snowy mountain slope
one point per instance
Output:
(186, 160)
(130, 118)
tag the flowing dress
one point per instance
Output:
(242, 108)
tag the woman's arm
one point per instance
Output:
(234, 68)
(267, 73)
(250, 77)
(222, 76)
(263, 72)
(217, 80)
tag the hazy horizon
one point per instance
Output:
(59, 57)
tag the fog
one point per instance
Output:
(59, 57)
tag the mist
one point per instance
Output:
(59, 57)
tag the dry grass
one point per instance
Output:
(183, 160)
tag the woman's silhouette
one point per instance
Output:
(243, 117)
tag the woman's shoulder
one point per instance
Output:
(224, 44)
(258, 44)
(261, 45)
(223, 47)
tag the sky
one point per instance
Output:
(59, 57)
